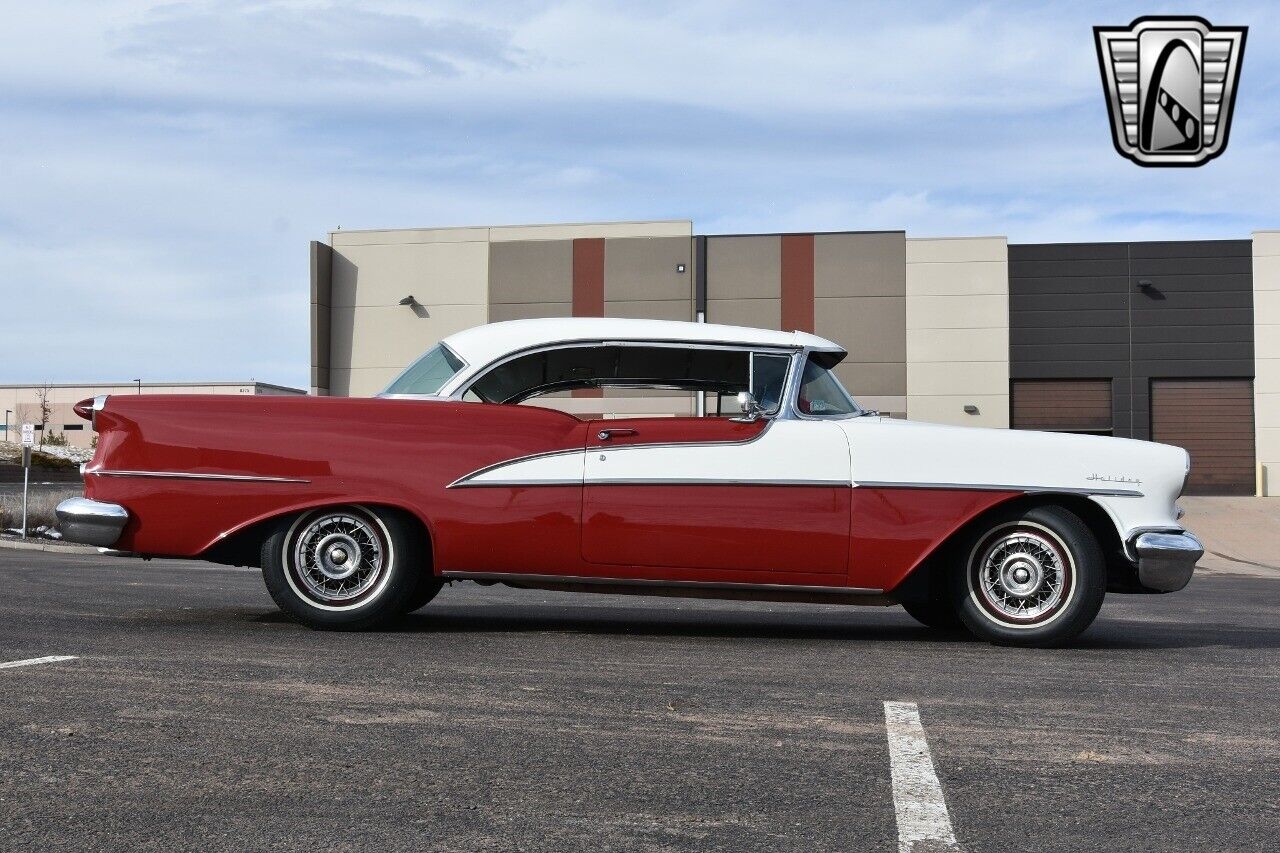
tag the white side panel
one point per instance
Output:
(552, 469)
(788, 452)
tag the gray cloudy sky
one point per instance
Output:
(165, 164)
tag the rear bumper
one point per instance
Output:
(1166, 560)
(91, 522)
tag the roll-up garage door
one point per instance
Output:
(1213, 420)
(1062, 405)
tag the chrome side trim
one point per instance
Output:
(99, 403)
(464, 480)
(727, 481)
(190, 475)
(91, 522)
(992, 487)
(517, 577)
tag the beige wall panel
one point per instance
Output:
(531, 271)
(957, 377)
(859, 264)
(979, 277)
(573, 231)
(530, 310)
(873, 379)
(639, 269)
(924, 345)
(957, 249)
(744, 268)
(882, 403)
(434, 273)
(392, 337)
(679, 309)
(757, 313)
(362, 382)
(871, 328)
(402, 236)
(958, 312)
(1266, 343)
(993, 409)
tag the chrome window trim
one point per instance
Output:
(397, 377)
(191, 475)
(797, 370)
(457, 387)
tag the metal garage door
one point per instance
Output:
(1062, 405)
(1213, 420)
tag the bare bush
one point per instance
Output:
(40, 507)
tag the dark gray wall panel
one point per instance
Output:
(1077, 311)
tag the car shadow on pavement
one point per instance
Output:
(1106, 634)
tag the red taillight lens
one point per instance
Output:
(84, 409)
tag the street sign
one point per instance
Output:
(28, 435)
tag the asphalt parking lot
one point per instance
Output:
(193, 715)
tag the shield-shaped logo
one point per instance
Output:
(1170, 86)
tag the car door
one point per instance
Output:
(719, 499)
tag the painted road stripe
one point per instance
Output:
(923, 822)
(33, 661)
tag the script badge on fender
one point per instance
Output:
(1170, 85)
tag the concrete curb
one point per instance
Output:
(46, 545)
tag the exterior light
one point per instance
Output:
(679, 268)
(970, 409)
(409, 300)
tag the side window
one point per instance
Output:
(768, 373)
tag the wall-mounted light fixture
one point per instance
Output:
(417, 307)
(1145, 284)
(679, 268)
(970, 409)
(409, 300)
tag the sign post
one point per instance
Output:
(28, 441)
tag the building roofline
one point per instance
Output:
(130, 384)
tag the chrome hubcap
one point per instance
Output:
(1022, 575)
(338, 557)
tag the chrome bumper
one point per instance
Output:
(91, 522)
(1166, 560)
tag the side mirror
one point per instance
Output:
(751, 410)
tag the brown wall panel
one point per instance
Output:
(530, 271)
(588, 277)
(797, 282)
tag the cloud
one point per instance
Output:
(166, 163)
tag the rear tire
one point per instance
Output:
(346, 568)
(1031, 577)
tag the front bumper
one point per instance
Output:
(1166, 560)
(91, 522)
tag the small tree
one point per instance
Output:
(43, 393)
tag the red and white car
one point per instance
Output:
(359, 510)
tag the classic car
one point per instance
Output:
(771, 484)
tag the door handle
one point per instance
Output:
(606, 434)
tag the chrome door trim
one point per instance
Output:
(588, 580)
(994, 487)
(190, 475)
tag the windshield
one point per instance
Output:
(428, 374)
(821, 394)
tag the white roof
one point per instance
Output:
(481, 345)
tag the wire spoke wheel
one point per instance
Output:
(338, 558)
(1021, 574)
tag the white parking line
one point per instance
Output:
(923, 822)
(33, 661)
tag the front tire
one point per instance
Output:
(1032, 577)
(345, 568)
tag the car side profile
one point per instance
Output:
(775, 486)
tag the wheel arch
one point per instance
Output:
(242, 545)
(933, 568)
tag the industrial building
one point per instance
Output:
(22, 403)
(1168, 341)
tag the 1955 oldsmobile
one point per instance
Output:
(781, 489)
